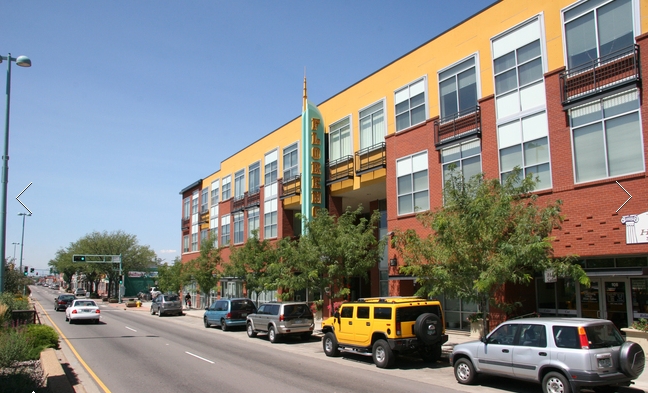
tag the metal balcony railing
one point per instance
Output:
(371, 158)
(340, 169)
(598, 75)
(458, 125)
(291, 187)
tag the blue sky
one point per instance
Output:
(128, 102)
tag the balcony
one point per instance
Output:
(371, 158)
(238, 203)
(204, 217)
(613, 71)
(338, 170)
(291, 187)
(184, 224)
(457, 126)
(253, 198)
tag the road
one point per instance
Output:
(133, 351)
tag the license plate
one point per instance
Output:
(605, 362)
(244, 315)
(296, 321)
(86, 310)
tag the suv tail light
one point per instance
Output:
(97, 312)
(74, 311)
(281, 318)
(61, 302)
(582, 336)
(229, 315)
(398, 328)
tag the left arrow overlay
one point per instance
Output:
(30, 212)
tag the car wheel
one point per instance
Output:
(383, 356)
(632, 359)
(306, 336)
(152, 311)
(272, 335)
(70, 321)
(159, 312)
(224, 326)
(427, 328)
(555, 382)
(206, 322)
(250, 330)
(66, 318)
(431, 353)
(464, 371)
(330, 345)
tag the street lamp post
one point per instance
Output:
(22, 61)
(14, 257)
(22, 242)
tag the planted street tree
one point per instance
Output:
(204, 269)
(486, 234)
(171, 278)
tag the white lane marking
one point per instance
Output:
(201, 358)
(130, 328)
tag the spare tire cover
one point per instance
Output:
(428, 328)
(632, 359)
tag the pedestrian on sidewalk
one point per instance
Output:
(188, 300)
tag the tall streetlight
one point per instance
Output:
(22, 61)
(14, 257)
(22, 241)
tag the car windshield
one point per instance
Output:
(243, 305)
(171, 298)
(409, 314)
(66, 297)
(86, 303)
(603, 336)
(297, 310)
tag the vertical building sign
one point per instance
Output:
(636, 228)
(312, 184)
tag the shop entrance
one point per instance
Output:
(607, 299)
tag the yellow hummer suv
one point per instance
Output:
(385, 327)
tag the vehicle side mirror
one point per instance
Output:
(484, 340)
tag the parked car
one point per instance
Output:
(279, 319)
(386, 327)
(62, 302)
(228, 313)
(166, 304)
(79, 292)
(55, 286)
(82, 310)
(562, 354)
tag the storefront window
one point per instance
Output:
(639, 298)
(631, 262)
(557, 298)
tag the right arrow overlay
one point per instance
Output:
(626, 191)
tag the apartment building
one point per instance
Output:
(553, 87)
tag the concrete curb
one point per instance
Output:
(55, 379)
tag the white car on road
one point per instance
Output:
(82, 310)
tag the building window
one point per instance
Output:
(596, 28)
(194, 240)
(270, 169)
(466, 158)
(194, 203)
(372, 125)
(458, 88)
(340, 139)
(187, 210)
(270, 219)
(254, 174)
(215, 192)
(524, 143)
(204, 200)
(213, 223)
(239, 229)
(253, 222)
(185, 243)
(225, 231)
(412, 184)
(410, 105)
(239, 184)
(607, 137)
(290, 162)
(227, 188)
(204, 234)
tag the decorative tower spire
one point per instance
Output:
(305, 95)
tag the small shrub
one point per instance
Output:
(14, 347)
(39, 338)
(641, 324)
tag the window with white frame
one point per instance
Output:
(410, 105)
(340, 139)
(225, 231)
(465, 157)
(290, 162)
(524, 143)
(253, 221)
(185, 243)
(596, 28)
(204, 234)
(254, 178)
(215, 192)
(204, 200)
(187, 209)
(213, 223)
(227, 188)
(270, 219)
(372, 125)
(412, 184)
(194, 238)
(194, 203)
(239, 229)
(270, 169)
(239, 184)
(458, 88)
(607, 137)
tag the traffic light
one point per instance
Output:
(31, 269)
(79, 258)
(25, 270)
(121, 279)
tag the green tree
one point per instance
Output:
(171, 278)
(331, 250)
(486, 234)
(204, 268)
(14, 280)
(62, 263)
